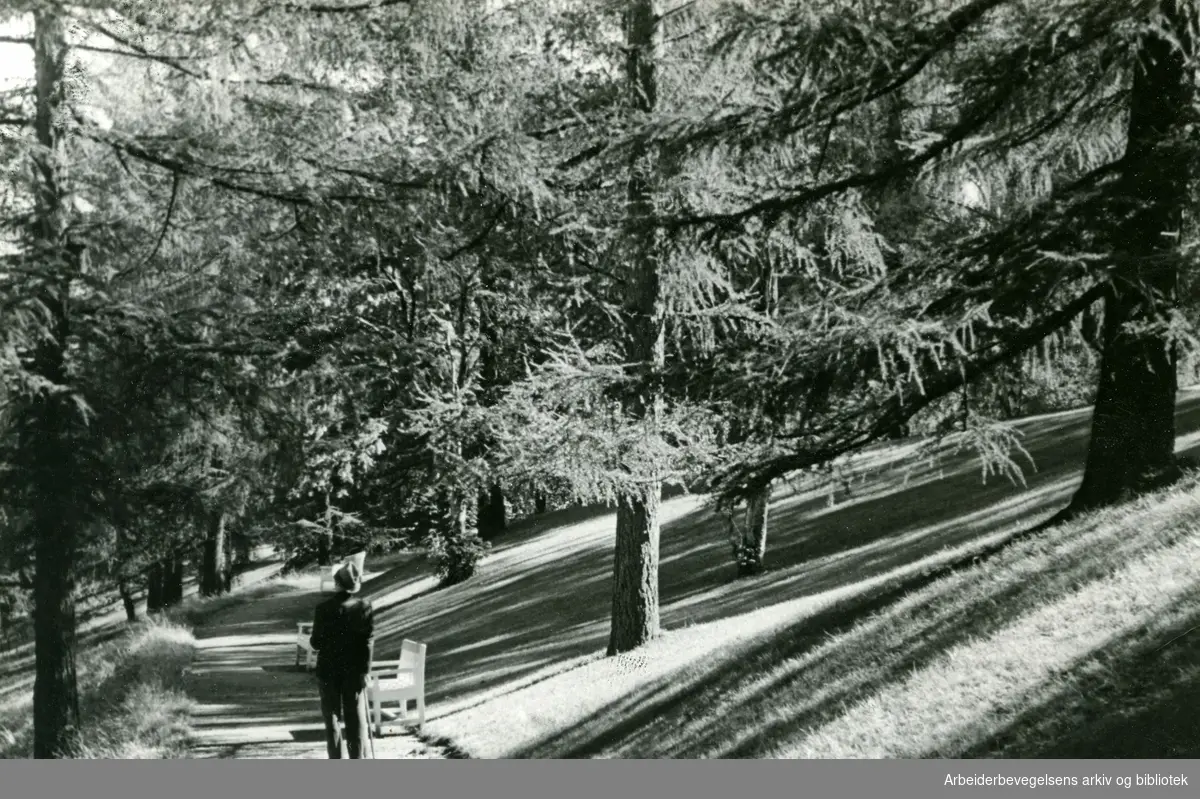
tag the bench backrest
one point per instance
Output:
(412, 656)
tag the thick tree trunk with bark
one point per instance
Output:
(55, 691)
(635, 613)
(635, 619)
(1132, 446)
(539, 504)
(213, 579)
(48, 438)
(227, 571)
(897, 208)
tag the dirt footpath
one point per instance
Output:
(252, 701)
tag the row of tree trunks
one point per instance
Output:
(164, 584)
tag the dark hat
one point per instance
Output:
(348, 578)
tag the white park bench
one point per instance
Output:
(401, 680)
(303, 646)
(327, 578)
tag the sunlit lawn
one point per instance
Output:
(839, 650)
(1079, 641)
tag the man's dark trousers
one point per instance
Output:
(342, 698)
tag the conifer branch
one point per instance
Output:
(745, 480)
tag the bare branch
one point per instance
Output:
(162, 234)
(325, 8)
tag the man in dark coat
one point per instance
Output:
(343, 634)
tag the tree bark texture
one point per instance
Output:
(1132, 447)
(49, 436)
(635, 612)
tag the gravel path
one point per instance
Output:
(253, 702)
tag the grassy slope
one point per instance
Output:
(821, 656)
(1079, 642)
(132, 702)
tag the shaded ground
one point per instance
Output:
(251, 700)
(513, 654)
(538, 611)
(541, 600)
(17, 663)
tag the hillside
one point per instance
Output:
(1076, 642)
(514, 667)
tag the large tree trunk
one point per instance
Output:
(55, 691)
(1132, 446)
(897, 208)
(227, 571)
(48, 440)
(212, 565)
(635, 618)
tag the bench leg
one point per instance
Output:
(420, 711)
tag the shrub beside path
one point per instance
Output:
(250, 699)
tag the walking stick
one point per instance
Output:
(370, 731)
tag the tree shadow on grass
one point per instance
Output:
(546, 600)
(1134, 699)
(542, 598)
(754, 698)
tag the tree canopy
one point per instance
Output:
(366, 275)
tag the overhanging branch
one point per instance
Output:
(745, 480)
